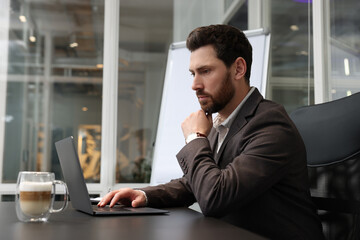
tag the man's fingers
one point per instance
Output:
(122, 195)
(139, 201)
(115, 199)
(106, 199)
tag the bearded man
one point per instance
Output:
(247, 166)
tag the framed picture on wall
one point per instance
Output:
(89, 149)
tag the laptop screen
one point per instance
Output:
(73, 174)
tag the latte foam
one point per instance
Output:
(35, 186)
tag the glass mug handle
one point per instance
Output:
(66, 194)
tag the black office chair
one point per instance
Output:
(331, 133)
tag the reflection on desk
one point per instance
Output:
(179, 224)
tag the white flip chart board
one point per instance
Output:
(179, 100)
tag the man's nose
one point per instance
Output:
(197, 83)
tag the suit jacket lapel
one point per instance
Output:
(246, 111)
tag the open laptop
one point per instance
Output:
(79, 195)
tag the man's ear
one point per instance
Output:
(240, 68)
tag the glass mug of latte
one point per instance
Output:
(35, 195)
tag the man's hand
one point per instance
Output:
(125, 196)
(197, 122)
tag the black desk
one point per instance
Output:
(179, 224)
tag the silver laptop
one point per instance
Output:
(79, 194)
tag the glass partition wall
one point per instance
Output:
(343, 42)
(290, 75)
(296, 26)
(95, 70)
(291, 80)
(145, 34)
(52, 86)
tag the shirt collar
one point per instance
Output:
(229, 120)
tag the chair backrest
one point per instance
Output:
(331, 133)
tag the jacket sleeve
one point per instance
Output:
(263, 150)
(176, 193)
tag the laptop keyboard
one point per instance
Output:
(109, 209)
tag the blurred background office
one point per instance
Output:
(95, 69)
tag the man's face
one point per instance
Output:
(212, 80)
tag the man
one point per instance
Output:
(248, 165)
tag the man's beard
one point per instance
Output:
(220, 98)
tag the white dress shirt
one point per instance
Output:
(222, 126)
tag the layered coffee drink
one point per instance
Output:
(35, 197)
(35, 194)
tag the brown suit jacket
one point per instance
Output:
(258, 180)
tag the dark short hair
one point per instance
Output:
(228, 42)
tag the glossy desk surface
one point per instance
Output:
(178, 224)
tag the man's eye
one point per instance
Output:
(205, 71)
